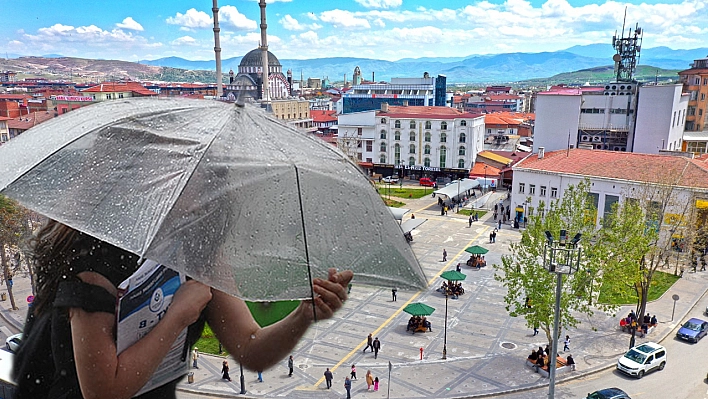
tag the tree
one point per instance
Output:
(14, 228)
(523, 273)
(654, 225)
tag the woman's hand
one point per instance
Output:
(189, 301)
(330, 295)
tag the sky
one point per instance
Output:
(134, 30)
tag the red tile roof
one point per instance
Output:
(5, 118)
(323, 115)
(478, 170)
(508, 118)
(25, 122)
(648, 168)
(118, 87)
(425, 112)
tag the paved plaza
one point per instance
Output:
(486, 348)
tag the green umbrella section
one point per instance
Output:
(476, 250)
(453, 275)
(419, 309)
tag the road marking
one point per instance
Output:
(400, 309)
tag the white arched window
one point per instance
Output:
(463, 137)
(412, 136)
(461, 151)
(461, 164)
(411, 149)
(383, 134)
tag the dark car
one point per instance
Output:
(608, 393)
(693, 330)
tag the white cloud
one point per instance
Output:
(130, 24)
(184, 41)
(230, 16)
(343, 19)
(290, 23)
(380, 3)
(191, 19)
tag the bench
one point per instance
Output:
(561, 366)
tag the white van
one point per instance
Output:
(642, 359)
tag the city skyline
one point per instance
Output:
(379, 29)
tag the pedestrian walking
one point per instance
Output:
(348, 387)
(393, 293)
(566, 343)
(290, 365)
(494, 235)
(353, 373)
(469, 221)
(369, 342)
(495, 215)
(496, 208)
(260, 376)
(369, 380)
(535, 328)
(444, 256)
(500, 223)
(377, 347)
(376, 384)
(195, 356)
(328, 378)
(225, 371)
(570, 362)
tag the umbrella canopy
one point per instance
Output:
(453, 275)
(419, 309)
(476, 250)
(225, 194)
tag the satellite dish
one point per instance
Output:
(617, 58)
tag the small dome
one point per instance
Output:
(255, 58)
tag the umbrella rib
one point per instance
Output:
(304, 236)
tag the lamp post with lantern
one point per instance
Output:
(560, 257)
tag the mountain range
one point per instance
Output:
(507, 67)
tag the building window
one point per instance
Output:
(412, 124)
(463, 137)
(382, 147)
(428, 125)
(543, 191)
(461, 151)
(411, 161)
(382, 158)
(443, 126)
(489, 131)
(383, 134)
(427, 137)
(369, 145)
(703, 96)
(522, 188)
(427, 150)
(554, 192)
(412, 137)
(411, 149)
(397, 154)
(532, 189)
(397, 135)
(463, 123)
(397, 124)
(426, 162)
(461, 164)
(443, 156)
(443, 137)
(383, 120)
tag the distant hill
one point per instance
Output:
(602, 74)
(481, 69)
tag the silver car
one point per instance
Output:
(12, 343)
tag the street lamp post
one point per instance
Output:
(559, 257)
(485, 179)
(458, 195)
(445, 336)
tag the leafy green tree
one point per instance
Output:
(14, 228)
(524, 275)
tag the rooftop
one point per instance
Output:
(646, 168)
(25, 122)
(435, 112)
(120, 87)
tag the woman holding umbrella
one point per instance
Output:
(70, 345)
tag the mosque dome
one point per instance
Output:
(254, 59)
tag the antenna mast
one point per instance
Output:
(628, 49)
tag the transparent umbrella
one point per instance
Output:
(226, 194)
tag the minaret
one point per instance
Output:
(217, 50)
(264, 49)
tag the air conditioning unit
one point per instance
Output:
(596, 139)
(614, 87)
(622, 87)
(584, 138)
(607, 87)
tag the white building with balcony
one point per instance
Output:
(413, 141)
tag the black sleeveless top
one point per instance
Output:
(44, 364)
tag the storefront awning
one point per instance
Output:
(457, 187)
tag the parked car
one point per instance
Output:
(426, 181)
(642, 359)
(12, 343)
(390, 179)
(693, 330)
(608, 393)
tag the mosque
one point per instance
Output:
(249, 83)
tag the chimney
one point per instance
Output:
(373, 76)
(384, 107)
(541, 152)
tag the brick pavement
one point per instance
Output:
(477, 364)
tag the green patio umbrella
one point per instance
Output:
(476, 250)
(419, 309)
(453, 275)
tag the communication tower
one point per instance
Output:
(628, 48)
